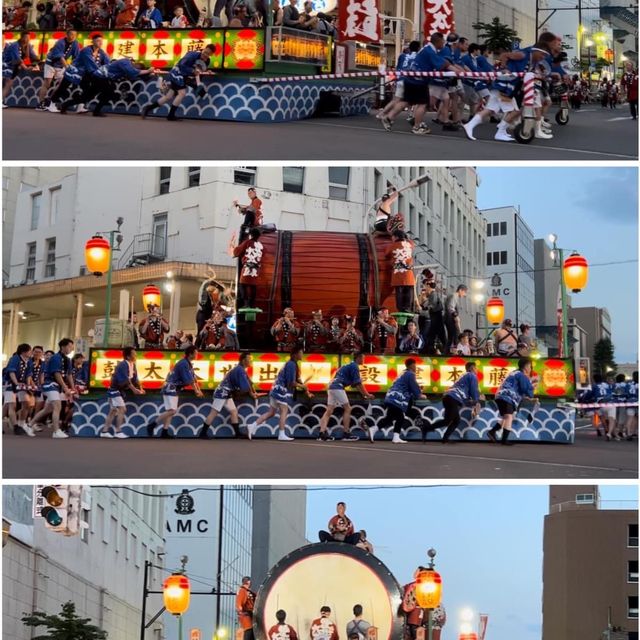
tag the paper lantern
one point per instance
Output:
(428, 589)
(97, 255)
(176, 593)
(151, 295)
(495, 310)
(576, 272)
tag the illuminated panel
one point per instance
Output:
(367, 56)
(290, 45)
(243, 49)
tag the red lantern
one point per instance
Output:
(176, 593)
(576, 272)
(495, 310)
(97, 255)
(151, 295)
(468, 636)
(428, 589)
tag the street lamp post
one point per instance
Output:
(114, 235)
(429, 591)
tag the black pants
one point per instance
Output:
(90, 87)
(62, 91)
(451, 418)
(394, 416)
(452, 331)
(436, 332)
(248, 295)
(404, 299)
(106, 93)
(633, 107)
(325, 536)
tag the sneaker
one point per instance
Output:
(19, 431)
(492, 436)
(36, 427)
(372, 432)
(150, 428)
(325, 437)
(120, 435)
(387, 123)
(59, 434)
(41, 107)
(283, 437)
(5, 106)
(422, 130)
(469, 131)
(251, 430)
(397, 439)
(204, 432)
(106, 434)
(350, 437)
(541, 134)
(82, 109)
(503, 136)
(52, 108)
(28, 430)
(165, 434)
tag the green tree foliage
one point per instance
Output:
(603, 356)
(496, 35)
(66, 626)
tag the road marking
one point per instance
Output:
(461, 139)
(467, 457)
(620, 118)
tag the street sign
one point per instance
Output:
(194, 634)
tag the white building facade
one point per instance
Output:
(182, 220)
(509, 264)
(100, 570)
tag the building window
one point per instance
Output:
(488, 229)
(496, 229)
(338, 182)
(36, 202)
(503, 228)
(165, 179)
(159, 235)
(496, 257)
(50, 259)
(30, 273)
(194, 176)
(101, 525)
(85, 514)
(134, 549)
(632, 536)
(585, 498)
(55, 204)
(293, 179)
(632, 571)
(245, 175)
(124, 536)
(503, 257)
(632, 607)
(489, 261)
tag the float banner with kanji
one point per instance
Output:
(438, 17)
(234, 49)
(555, 378)
(316, 370)
(359, 20)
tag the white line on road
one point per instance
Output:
(616, 119)
(453, 455)
(442, 137)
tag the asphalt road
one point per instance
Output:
(42, 457)
(592, 134)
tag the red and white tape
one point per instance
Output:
(599, 405)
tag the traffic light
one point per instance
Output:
(55, 507)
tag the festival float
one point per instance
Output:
(342, 274)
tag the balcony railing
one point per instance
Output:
(145, 248)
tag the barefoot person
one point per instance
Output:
(515, 388)
(237, 380)
(124, 378)
(346, 376)
(281, 395)
(181, 376)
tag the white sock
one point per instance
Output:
(502, 126)
(474, 122)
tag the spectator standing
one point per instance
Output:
(357, 626)
(452, 315)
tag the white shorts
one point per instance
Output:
(275, 404)
(537, 99)
(220, 403)
(438, 91)
(170, 403)
(399, 93)
(607, 413)
(116, 402)
(499, 103)
(24, 396)
(53, 72)
(8, 397)
(633, 411)
(470, 95)
(53, 396)
(337, 398)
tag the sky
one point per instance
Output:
(488, 541)
(593, 210)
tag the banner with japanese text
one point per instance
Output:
(553, 378)
(438, 17)
(359, 20)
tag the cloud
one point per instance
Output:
(612, 196)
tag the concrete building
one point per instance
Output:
(231, 532)
(180, 220)
(595, 321)
(100, 570)
(509, 264)
(590, 566)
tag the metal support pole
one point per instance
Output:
(219, 572)
(429, 625)
(105, 341)
(537, 10)
(563, 299)
(145, 592)
(179, 627)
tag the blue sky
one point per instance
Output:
(488, 539)
(593, 210)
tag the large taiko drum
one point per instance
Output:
(340, 273)
(330, 574)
